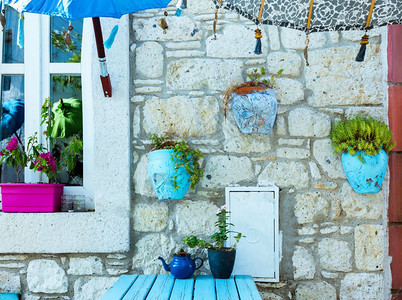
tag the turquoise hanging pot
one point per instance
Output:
(366, 176)
(162, 173)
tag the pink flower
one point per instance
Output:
(1, 153)
(12, 144)
(49, 162)
(223, 207)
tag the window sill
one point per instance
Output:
(64, 232)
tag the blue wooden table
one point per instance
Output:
(165, 287)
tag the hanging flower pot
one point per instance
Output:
(162, 174)
(173, 167)
(365, 173)
(31, 197)
(254, 109)
(363, 143)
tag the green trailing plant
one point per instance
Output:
(256, 79)
(183, 155)
(361, 134)
(219, 237)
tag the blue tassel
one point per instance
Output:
(178, 12)
(20, 38)
(109, 42)
(258, 36)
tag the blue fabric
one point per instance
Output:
(12, 117)
(109, 42)
(77, 9)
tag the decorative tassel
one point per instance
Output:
(306, 50)
(162, 22)
(215, 22)
(258, 36)
(3, 18)
(109, 42)
(362, 51)
(20, 38)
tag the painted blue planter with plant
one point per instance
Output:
(162, 174)
(365, 176)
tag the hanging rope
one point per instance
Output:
(365, 37)
(216, 17)
(258, 35)
(310, 13)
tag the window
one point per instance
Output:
(48, 65)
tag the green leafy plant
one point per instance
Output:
(255, 80)
(219, 237)
(184, 156)
(39, 157)
(361, 134)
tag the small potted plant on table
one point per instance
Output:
(364, 144)
(254, 103)
(173, 167)
(221, 259)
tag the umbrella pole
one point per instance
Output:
(105, 79)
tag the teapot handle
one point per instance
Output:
(202, 262)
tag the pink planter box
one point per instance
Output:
(31, 197)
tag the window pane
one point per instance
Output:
(12, 53)
(68, 123)
(12, 119)
(65, 43)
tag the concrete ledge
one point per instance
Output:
(64, 233)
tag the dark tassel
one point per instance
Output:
(362, 51)
(258, 36)
(3, 18)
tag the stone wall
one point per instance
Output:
(333, 239)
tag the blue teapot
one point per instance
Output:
(181, 266)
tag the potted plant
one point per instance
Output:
(173, 167)
(221, 259)
(364, 144)
(36, 197)
(254, 103)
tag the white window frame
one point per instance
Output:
(107, 230)
(37, 70)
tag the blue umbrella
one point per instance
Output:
(12, 117)
(77, 9)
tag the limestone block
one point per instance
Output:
(362, 206)
(202, 7)
(150, 218)
(291, 142)
(149, 60)
(221, 171)
(180, 29)
(330, 163)
(286, 174)
(378, 113)
(315, 172)
(315, 291)
(136, 123)
(270, 296)
(329, 275)
(335, 78)
(290, 62)
(274, 41)
(307, 122)
(289, 91)
(46, 276)
(356, 35)
(89, 288)
(142, 185)
(149, 248)
(303, 264)
(181, 116)
(31, 297)
(234, 41)
(237, 142)
(307, 231)
(362, 286)
(280, 126)
(311, 207)
(334, 37)
(184, 45)
(293, 153)
(9, 282)
(296, 39)
(369, 247)
(335, 255)
(190, 220)
(90, 265)
(200, 74)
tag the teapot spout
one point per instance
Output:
(165, 265)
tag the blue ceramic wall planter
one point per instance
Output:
(254, 109)
(161, 173)
(366, 176)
